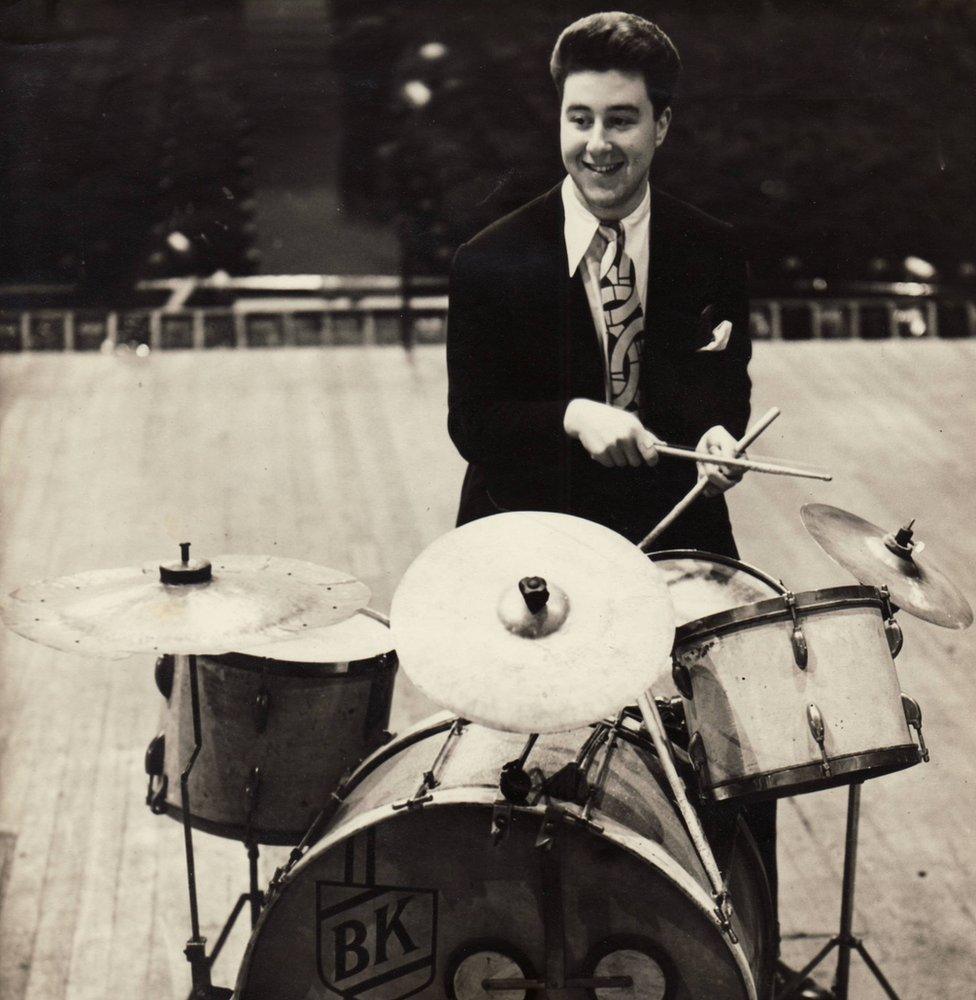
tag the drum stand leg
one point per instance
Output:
(845, 942)
(196, 947)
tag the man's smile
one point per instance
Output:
(602, 170)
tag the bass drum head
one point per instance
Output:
(703, 584)
(415, 901)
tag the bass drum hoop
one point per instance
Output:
(468, 795)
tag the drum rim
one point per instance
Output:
(801, 779)
(299, 668)
(701, 556)
(776, 609)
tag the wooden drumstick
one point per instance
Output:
(696, 491)
(740, 463)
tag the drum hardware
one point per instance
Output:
(893, 632)
(514, 781)
(682, 678)
(816, 723)
(610, 737)
(913, 716)
(261, 709)
(844, 941)
(720, 894)
(163, 674)
(891, 560)
(155, 768)
(800, 650)
(429, 781)
(699, 761)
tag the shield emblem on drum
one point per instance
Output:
(375, 942)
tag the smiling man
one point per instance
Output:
(602, 317)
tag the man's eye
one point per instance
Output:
(620, 123)
(580, 120)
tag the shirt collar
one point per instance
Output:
(581, 224)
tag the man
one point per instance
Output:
(603, 317)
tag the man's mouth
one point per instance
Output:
(602, 170)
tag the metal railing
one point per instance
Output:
(324, 310)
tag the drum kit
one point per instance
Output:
(571, 825)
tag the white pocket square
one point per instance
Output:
(720, 337)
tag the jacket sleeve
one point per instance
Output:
(497, 413)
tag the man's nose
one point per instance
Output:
(597, 142)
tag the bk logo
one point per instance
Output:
(375, 942)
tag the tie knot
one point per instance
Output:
(610, 230)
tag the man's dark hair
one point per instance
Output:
(624, 42)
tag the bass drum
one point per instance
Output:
(428, 883)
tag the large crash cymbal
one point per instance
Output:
(891, 559)
(242, 600)
(533, 622)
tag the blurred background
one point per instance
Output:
(243, 138)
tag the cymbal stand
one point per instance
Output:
(844, 941)
(720, 893)
(196, 946)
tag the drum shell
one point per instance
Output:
(751, 697)
(321, 720)
(620, 875)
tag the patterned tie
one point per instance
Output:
(624, 318)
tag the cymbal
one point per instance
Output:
(248, 600)
(892, 559)
(533, 622)
(360, 637)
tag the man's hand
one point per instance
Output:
(611, 436)
(718, 441)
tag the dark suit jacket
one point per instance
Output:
(521, 345)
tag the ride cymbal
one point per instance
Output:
(888, 559)
(533, 622)
(183, 608)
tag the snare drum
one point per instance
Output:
(793, 694)
(278, 735)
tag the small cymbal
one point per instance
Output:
(533, 622)
(888, 559)
(248, 600)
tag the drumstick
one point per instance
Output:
(740, 463)
(692, 495)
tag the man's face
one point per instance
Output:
(608, 136)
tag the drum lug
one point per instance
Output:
(699, 761)
(163, 674)
(913, 716)
(893, 632)
(155, 768)
(799, 640)
(550, 826)
(817, 729)
(252, 790)
(682, 678)
(261, 709)
(501, 820)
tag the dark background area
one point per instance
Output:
(169, 138)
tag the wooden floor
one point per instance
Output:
(340, 456)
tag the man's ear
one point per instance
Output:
(661, 125)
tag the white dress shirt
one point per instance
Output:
(579, 230)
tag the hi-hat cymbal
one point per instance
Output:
(533, 622)
(892, 559)
(247, 600)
